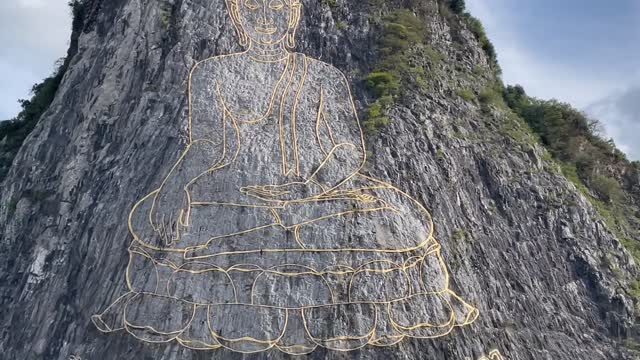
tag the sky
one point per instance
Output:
(584, 52)
(34, 34)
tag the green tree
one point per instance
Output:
(457, 6)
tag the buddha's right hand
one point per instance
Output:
(170, 213)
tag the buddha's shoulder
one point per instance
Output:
(214, 66)
(323, 70)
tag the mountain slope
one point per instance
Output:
(522, 242)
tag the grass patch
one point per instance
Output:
(632, 344)
(635, 289)
(492, 95)
(402, 42)
(331, 3)
(613, 214)
(517, 129)
(607, 188)
(377, 114)
(460, 235)
(434, 55)
(467, 95)
(633, 247)
(165, 18)
(12, 207)
(489, 96)
(479, 70)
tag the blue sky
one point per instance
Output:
(584, 52)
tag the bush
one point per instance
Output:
(376, 117)
(434, 55)
(607, 189)
(516, 98)
(634, 248)
(489, 96)
(383, 83)
(467, 95)
(457, 6)
(402, 29)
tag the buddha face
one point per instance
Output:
(265, 22)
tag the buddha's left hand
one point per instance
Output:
(284, 193)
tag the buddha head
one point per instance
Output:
(265, 22)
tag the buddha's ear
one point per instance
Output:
(296, 11)
(234, 13)
(294, 22)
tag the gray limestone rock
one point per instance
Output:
(448, 206)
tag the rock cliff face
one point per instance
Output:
(548, 278)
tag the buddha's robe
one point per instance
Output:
(309, 132)
(355, 264)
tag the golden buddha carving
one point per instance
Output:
(265, 234)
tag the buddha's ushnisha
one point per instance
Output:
(265, 234)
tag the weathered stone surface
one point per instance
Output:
(521, 243)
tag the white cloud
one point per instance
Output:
(548, 80)
(34, 4)
(575, 83)
(621, 114)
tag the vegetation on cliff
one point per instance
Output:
(575, 144)
(406, 62)
(574, 140)
(403, 38)
(404, 48)
(600, 170)
(13, 132)
(516, 236)
(458, 7)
